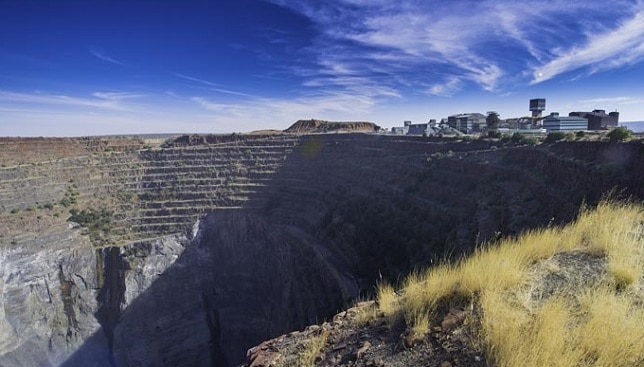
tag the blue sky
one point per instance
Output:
(70, 68)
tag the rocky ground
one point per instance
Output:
(361, 336)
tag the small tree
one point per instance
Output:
(619, 134)
(492, 120)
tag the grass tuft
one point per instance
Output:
(365, 314)
(387, 300)
(310, 351)
(420, 325)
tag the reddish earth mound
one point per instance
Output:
(320, 126)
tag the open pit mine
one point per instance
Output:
(189, 251)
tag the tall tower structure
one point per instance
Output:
(537, 106)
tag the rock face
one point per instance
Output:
(319, 126)
(237, 281)
(48, 297)
(192, 252)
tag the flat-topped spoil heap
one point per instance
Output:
(320, 126)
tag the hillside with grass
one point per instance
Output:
(552, 296)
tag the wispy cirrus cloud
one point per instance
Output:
(446, 89)
(214, 86)
(55, 99)
(101, 55)
(622, 100)
(99, 100)
(612, 49)
(103, 112)
(196, 80)
(493, 44)
(284, 111)
(117, 96)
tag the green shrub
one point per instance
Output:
(94, 220)
(520, 139)
(66, 202)
(517, 138)
(506, 138)
(555, 136)
(494, 134)
(530, 141)
(620, 133)
(580, 134)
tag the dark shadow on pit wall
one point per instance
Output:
(340, 208)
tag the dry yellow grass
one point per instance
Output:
(614, 324)
(366, 314)
(540, 339)
(308, 354)
(420, 325)
(597, 326)
(387, 300)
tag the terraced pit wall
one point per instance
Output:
(190, 251)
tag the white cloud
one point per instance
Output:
(101, 55)
(65, 105)
(84, 123)
(116, 96)
(197, 80)
(284, 111)
(59, 99)
(446, 89)
(402, 38)
(491, 43)
(612, 101)
(356, 85)
(215, 87)
(616, 48)
(50, 114)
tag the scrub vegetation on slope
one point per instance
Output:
(568, 296)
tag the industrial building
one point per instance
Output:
(399, 130)
(554, 122)
(412, 129)
(417, 129)
(537, 106)
(466, 122)
(598, 119)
